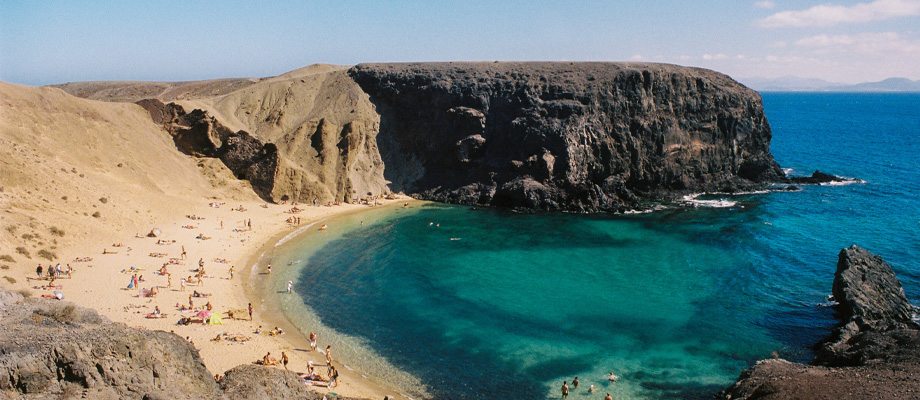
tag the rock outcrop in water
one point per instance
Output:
(873, 354)
(571, 136)
(54, 350)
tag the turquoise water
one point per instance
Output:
(492, 304)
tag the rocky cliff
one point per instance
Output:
(571, 136)
(54, 350)
(873, 354)
(538, 135)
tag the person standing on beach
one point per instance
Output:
(38, 270)
(290, 287)
(231, 272)
(269, 268)
(250, 311)
(284, 360)
(329, 354)
(183, 252)
(313, 340)
(565, 390)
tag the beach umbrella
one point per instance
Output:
(155, 232)
(59, 294)
(204, 314)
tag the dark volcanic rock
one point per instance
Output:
(198, 133)
(872, 302)
(818, 178)
(573, 136)
(874, 354)
(54, 350)
(50, 348)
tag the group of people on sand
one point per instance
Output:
(53, 272)
(565, 387)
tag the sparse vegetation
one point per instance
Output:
(9, 279)
(120, 165)
(97, 214)
(48, 255)
(57, 231)
(28, 236)
(81, 175)
(65, 315)
(23, 251)
(7, 258)
(11, 229)
(64, 198)
(4, 267)
(103, 200)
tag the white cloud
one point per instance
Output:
(868, 44)
(830, 14)
(714, 57)
(765, 4)
(637, 57)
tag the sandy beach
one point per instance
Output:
(220, 237)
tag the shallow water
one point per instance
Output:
(492, 304)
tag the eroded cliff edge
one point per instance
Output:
(873, 354)
(569, 136)
(530, 135)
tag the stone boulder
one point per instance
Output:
(873, 354)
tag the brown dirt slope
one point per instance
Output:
(72, 169)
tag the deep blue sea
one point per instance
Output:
(457, 303)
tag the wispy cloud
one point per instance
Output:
(830, 14)
(765, 4)
(637, 57)
(870, 43)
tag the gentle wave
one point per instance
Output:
(294, 234)
(691, 200)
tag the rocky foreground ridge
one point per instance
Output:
(54, 350)
(529, 135)
(873, 354)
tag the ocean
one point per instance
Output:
(464, 303)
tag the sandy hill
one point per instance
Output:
(323, 125)
(73, 169)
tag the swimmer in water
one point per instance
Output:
(612, 377)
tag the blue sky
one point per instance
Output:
(52, 41)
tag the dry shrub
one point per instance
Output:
(7, 258)
(97, 214)
(103, 200)
(57, 231)
(48, 255)
(9, 279)
(11, 229)
(23, 251)
(25, 293)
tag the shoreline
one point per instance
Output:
(220, 239)
(351, 380)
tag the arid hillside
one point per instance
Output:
(73, 169)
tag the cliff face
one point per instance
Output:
(573, 136)
(309, 134)
(551, 136)
(873, 354)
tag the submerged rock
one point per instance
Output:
(819, 177)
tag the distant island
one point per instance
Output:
(797, 84)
